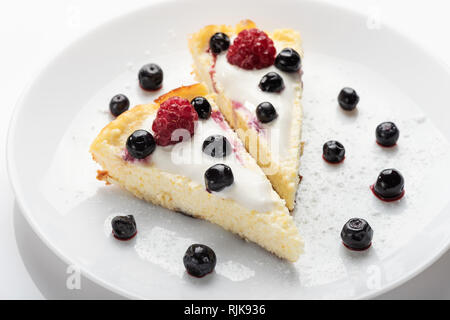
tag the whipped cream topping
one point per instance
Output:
(250, 189)
(241, 87)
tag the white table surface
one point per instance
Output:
(33, 31)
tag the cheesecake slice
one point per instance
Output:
(173, 174)
(271, 134)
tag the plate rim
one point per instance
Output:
(19, 106)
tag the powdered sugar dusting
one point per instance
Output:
(163, 248)
(329, 195)
(234, 271)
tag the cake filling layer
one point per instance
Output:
(250, 189)
(241, 87)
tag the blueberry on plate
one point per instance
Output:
(119, 104)
(265, 112)
(124, 227)
(140, 144)
(202, 106)
(271, 82)
(150, 77)
(348, 99)
(357, 234)
(219, 42)
(217, 146)
(218, 177)
(288, 60)
(333, 151)
(199, 260)
(387, 134)
(389, 185)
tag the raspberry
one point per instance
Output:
(174, 113)
(252, 49)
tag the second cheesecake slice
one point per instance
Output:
(257, 79)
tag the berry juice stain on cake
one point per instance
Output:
(218, 118)
(252, 121)
(212, 73)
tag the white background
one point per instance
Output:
(31, 32)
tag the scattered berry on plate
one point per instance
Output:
(219, 42)
(218, 177)
(271, 82)
(333, 151)
(357, 234)
(174, 114)
(252, 49)
(199, 260)
(288, 60)
(217, 146)
(265, 112)
(387, 134)
(348, 99)
(140, 144)
(119, 104)
(150, 77)
(389, 185)
(123, 227)
(202, 106)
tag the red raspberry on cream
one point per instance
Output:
(174, 113)
(252, 49)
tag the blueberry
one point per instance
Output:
(348, 99)
(265, 112)
(333, 151)
(219, 42)
(271, 82)
(389, 185)
(124, 227)
(387, 134)
(218, 177)
(150, 77)
(140, 144)
(119, 104)
(217, 146)
(202, 106)
(199, 260)
(288, 60)
(357, 234)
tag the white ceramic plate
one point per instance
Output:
(67, 104)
